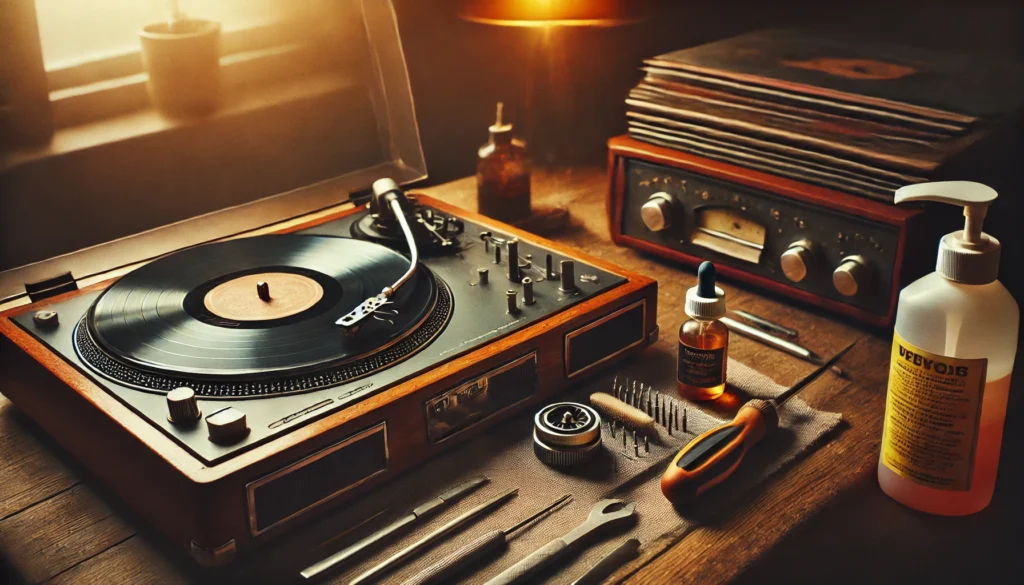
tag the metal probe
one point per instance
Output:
(483, 547)
(390, 563)
(767, 325)
(419, 514)
(710, 458)
(777, 342)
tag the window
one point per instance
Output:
(72, 32)
(91, 50)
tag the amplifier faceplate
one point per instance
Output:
(750, 229)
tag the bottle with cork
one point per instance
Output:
(503, 174)
(703, 340)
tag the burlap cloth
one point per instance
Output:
(505, 455)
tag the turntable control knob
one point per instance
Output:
(227, 425)
(182, 407)
(568, 276)
(528, 298)
(514, 274)
(513, 304)
(798, 260)
(657, 212)
(851, 275)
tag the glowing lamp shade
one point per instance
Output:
(548, 13)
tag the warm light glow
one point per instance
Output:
(551, 13)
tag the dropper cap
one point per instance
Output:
(500, 129)
(705, 301)
(969, 256)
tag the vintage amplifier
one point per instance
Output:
(829, 249)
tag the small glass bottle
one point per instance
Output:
(503, 175)
(703, 340)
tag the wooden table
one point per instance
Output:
(823, 519)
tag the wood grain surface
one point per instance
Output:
(823, 519)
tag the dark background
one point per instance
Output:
(573, 81)
(459, 69)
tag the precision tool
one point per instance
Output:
(392, 562)
(710, 458)
(610, 563)
(420, 513)
(604, 515)
(487, 545)
(777, 342)
(767, 325)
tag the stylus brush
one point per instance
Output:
(630, 416)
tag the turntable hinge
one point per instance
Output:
(50, 287)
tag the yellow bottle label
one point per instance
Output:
(932, 414)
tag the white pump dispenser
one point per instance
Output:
(953, 350)
(968, 256)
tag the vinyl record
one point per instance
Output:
(197, 316)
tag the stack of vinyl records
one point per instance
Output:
(846, 113)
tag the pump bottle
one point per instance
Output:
(949, 376)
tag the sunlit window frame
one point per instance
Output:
(93, 90)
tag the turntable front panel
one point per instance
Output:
(479, 318)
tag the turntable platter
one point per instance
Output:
(197, 317)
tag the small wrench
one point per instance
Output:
(599, 518)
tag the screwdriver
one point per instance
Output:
(710, 458)
(487, 545)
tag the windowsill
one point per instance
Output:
(150, 122)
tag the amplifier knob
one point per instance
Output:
(851, 275)
(182, 407)
(657, 212)
(798, 260)
(227, 425)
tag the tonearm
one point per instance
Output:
(390, 203)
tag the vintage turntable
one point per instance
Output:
(229, 380)
(231, 390)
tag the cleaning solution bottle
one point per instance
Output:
(703, 340)
(949, 377)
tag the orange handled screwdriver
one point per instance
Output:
(710, 458)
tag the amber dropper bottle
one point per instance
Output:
(703, 340)
(503, 174)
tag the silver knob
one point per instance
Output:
(182, 407)
(46, 319)
(797, 261)
(851, 275)
(227, 425)
(657, 212)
